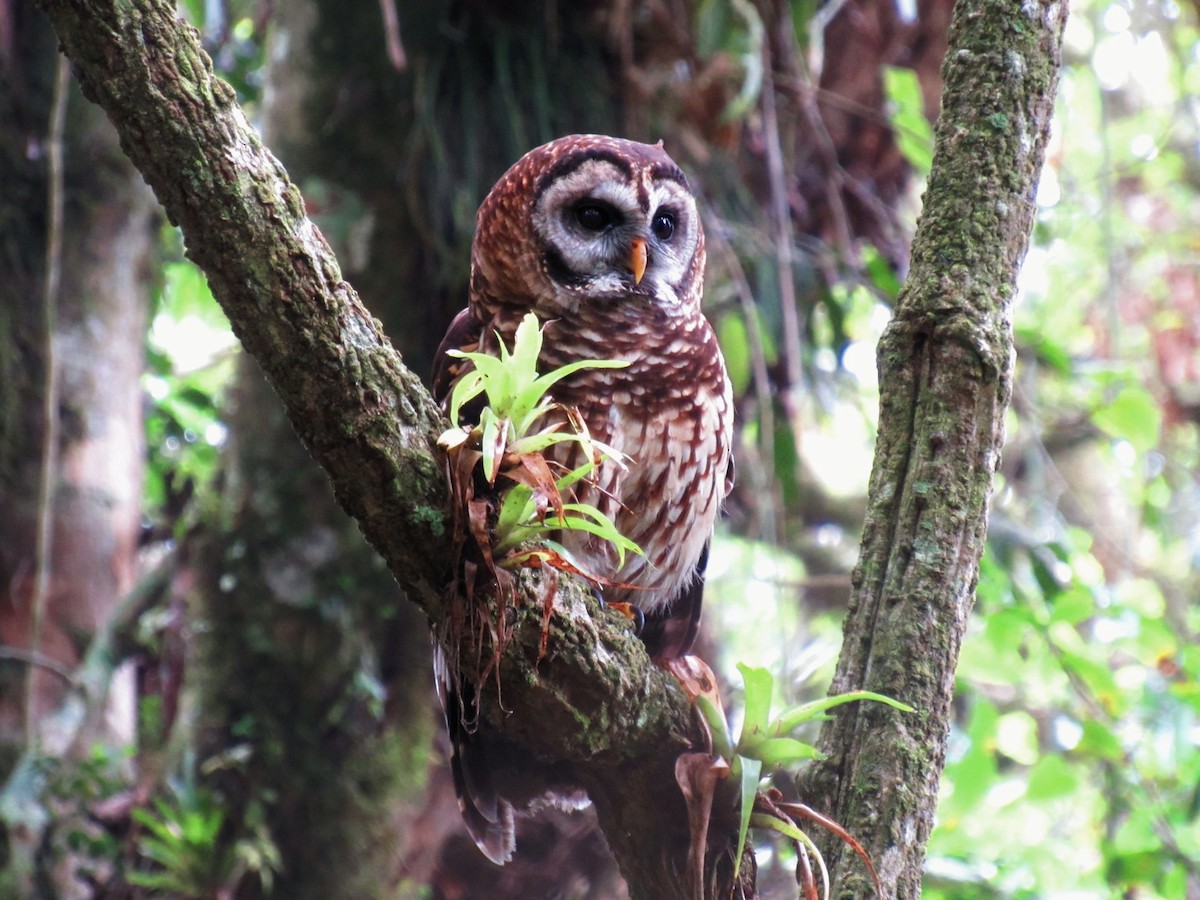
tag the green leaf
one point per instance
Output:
(1051, 778)
(913, 134)
(466, 389)
(1043, 344)
(969, 779)
(492, 443)
(880, 272)
(1099, 679)
(1099, 740)
(186, 293)
(518, 507)
(717, 727)
(527, 345)
(796, 717)
(771, 823)
(600, 525)
(751, 771)
(571, 368)
(1074, 605)
(781, 751)
(759, 685)
(575, 475)
(536, 443)
(735, 346)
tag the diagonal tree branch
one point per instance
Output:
(594, 700)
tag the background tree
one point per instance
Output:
(77, 240)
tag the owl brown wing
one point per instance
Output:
(463, 334)
(494, 779)
(488, 816)
(670, 632)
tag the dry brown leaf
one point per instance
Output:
(697, 775)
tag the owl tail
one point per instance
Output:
(488, 816)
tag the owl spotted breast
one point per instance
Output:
(601, 239)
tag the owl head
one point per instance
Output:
(589, 219)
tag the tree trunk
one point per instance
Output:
(73, 301)
(311, 658)
(945, 370)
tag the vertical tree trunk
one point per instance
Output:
(312, 659)
(71, 448)
(945, 366)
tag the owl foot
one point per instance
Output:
(633, 613)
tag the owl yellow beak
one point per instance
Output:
(637, 259)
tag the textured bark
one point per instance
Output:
(594, 700)
(945, 365)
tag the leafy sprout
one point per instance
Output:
(518, 425)
(182, 840)
(767, 743)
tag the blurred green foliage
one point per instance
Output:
(1074, 763)
(190, 355)
(182, 852)
(1075, 767)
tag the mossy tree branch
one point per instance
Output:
(594, 700)
(945, 362)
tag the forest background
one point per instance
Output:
(181, 496)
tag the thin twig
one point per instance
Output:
(391, 32)
(44, 541)
(836, 176)
(33, 658)
(781, 223)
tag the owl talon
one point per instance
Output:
(628, 610)
(631, 612)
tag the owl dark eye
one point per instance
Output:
(663, 225)
(595, 216)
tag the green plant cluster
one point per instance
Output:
(766, 744)
(518, 424)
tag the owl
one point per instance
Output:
(601, 239)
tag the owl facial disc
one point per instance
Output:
(615, 227)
